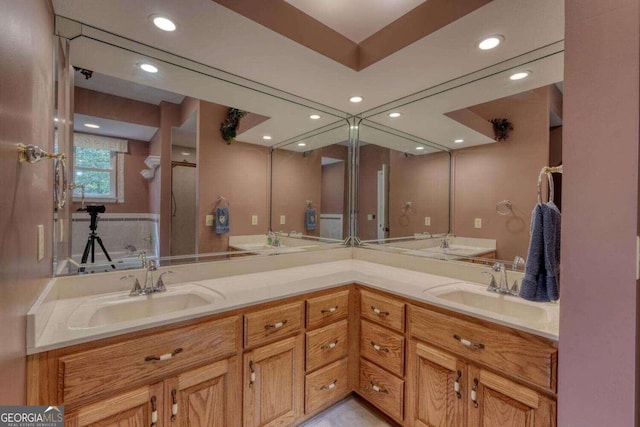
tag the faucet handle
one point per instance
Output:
(160, 285)
(493, 286)
(498, 267)
(152, 265)
(137, 289)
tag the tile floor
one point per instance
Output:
(350, 413)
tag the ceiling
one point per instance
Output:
(212, 37)
(356, 19)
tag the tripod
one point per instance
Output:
(91, 243)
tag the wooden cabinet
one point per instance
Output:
(274, 383)
(496, 401)
(138, 407)
(263, 326)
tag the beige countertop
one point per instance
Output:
(49, 319)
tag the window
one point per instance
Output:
(98, 165)
(95, 168)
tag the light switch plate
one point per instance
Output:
(427, 220)
(369, 217)
(208, 220)
(282, 219)
(40, 242)
(61, 230)
(254, 219)
(478, 223)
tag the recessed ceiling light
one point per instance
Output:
(301, 144)
(520, 75)
(490, 42)
(149, 68)
(420, 147)
(266, 137)
(185, 153)
(353, 127)
(394, 115)
(92, 126)
(55, 119)
(314, 116)
(162, 22)
(356, 99)
(458, 141)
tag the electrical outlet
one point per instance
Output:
(40, 242)
(477, 223)
(427, 220)
(208, 220)
(370, 217)
(282, 219)
(254, 219)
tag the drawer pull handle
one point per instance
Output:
(456, 384)
(252, 375)
(377, 348)
(154, 411)
(329, 310)
(174, 405)
(470, 344)
(379, 389)
(379, 312)
(473, 393)
(278, 325)
(165, 356)
(329, 386)
(330, 346)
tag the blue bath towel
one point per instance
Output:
(540, 281)
(311, 219)
(222, 220)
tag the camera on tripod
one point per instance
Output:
(93, 211)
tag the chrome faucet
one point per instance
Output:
(149, 286)
(518, 260)
(503, 287)
(426, 233)
(445, 242)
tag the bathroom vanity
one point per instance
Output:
(278, 347)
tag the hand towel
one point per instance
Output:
(551, 220)
(222, 220)
(311, 220)
(534, 279)
(542, 269)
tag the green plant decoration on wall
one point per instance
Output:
(501, 128)
(231, 123)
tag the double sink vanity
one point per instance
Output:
(256, 343)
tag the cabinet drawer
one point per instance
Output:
(382, 310)
(506, 351)
(110, 368)
(268, 325)
(383, 347)
(326, 345)
(327, 309)
(382, 389)
(326, 386)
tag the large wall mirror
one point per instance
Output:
(493, 182)
(152, 172)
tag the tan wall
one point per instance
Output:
(239, 172)
(136, 187)
(372, 158)
(333, 188)
(487, 174)
(26, 115)
(296, 179)
(112, 107)
(424, 181)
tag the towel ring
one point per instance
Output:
(504, 207)
(547, 172)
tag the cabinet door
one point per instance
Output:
(136, 408)
(205, 397)
(274, 383)
(435, 388)
(495, 401)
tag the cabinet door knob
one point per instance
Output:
(379, 389)
(329, 310)
(377, 348)
(165, 356)
(252, 375)
(154, 411)
(329, 386)
(330, 346)
(474, 394)
(456, 384)
(174, 405)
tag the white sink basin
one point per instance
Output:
(118, 308)
(477, 297)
